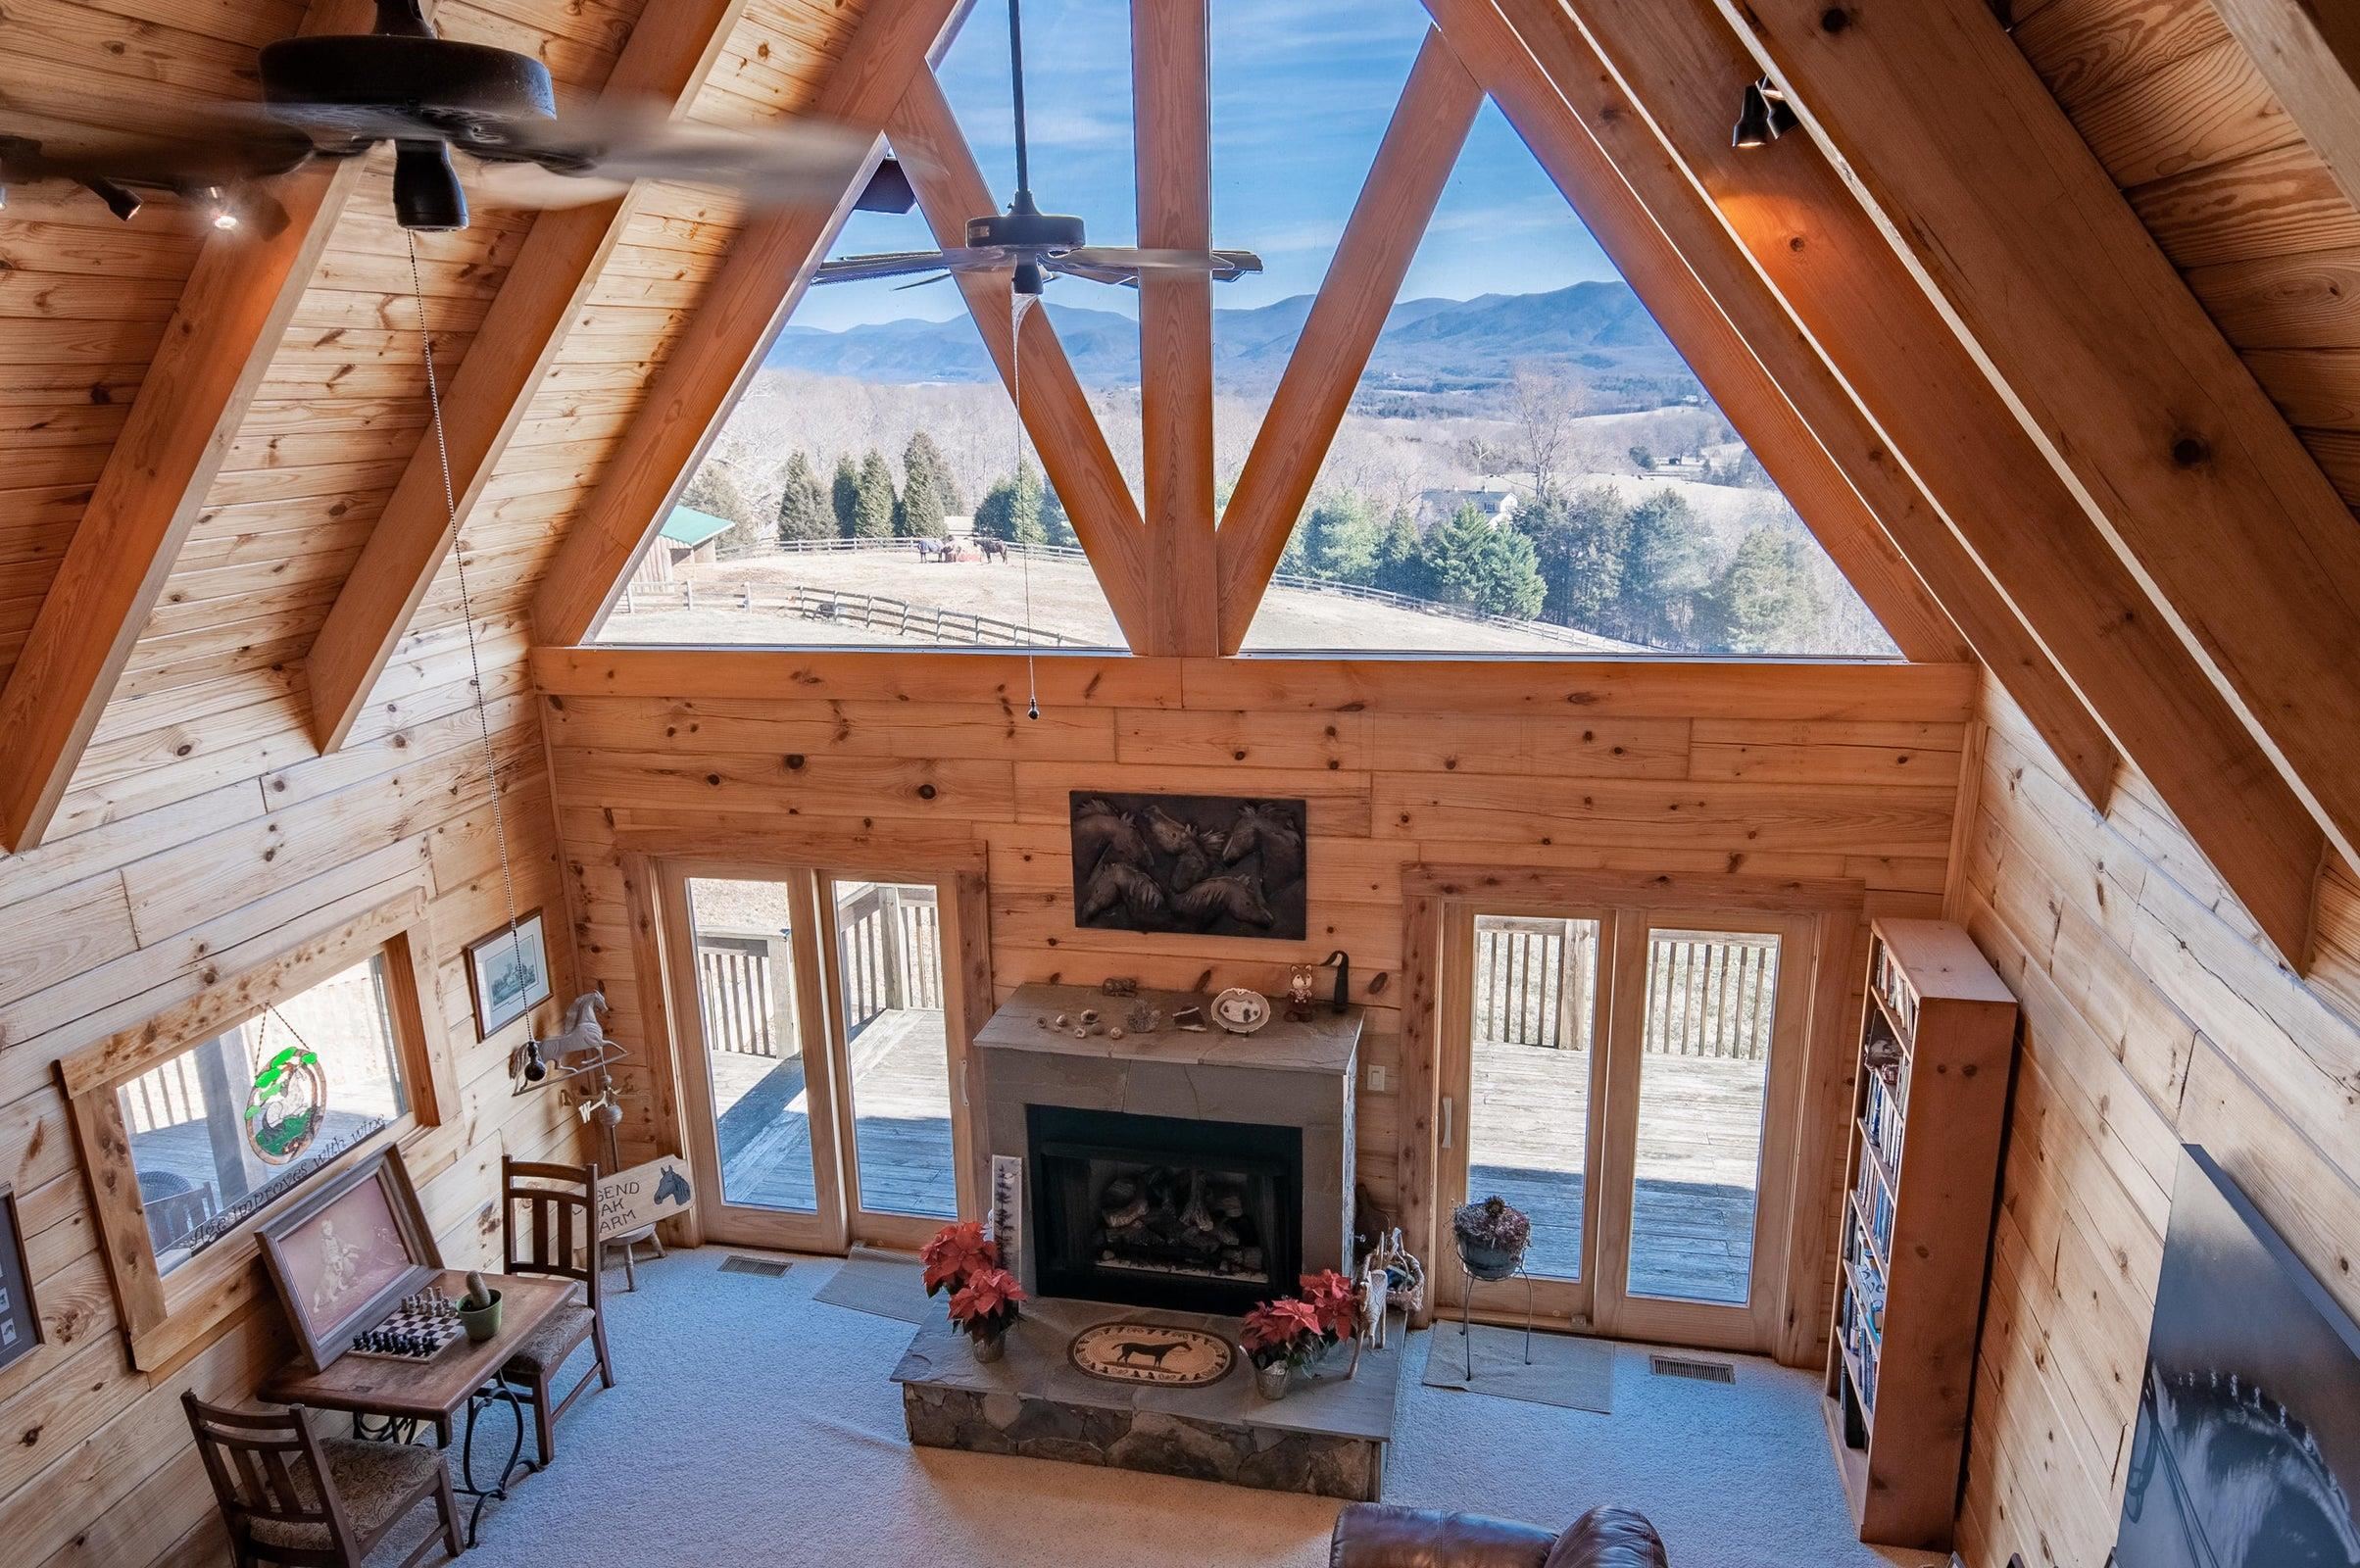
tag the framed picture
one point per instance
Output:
(1212, 865)
(342, 1256)
(508, 975)
(20, 1318)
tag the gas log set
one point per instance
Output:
(1179, 1219)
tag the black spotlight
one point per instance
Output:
(425, 187)
(1763, 117)
(120, 202)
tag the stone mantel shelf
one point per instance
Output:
(1329, 1043)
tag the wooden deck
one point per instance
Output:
(902, 1098)
(1699, 1147)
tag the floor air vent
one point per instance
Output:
(1680, 1367)
(768, 1268)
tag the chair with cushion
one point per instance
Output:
(290, 1498)
(1375, 1535)
(558, 1236)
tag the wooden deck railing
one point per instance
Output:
(1709, 993)
(890, 957)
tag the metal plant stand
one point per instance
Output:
(1466, 1305)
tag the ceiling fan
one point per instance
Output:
(337, 95)
(1033, 243)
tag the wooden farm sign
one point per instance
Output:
(635, 1198)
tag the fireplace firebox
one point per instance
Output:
(1194, 1215)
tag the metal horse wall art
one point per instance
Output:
(1206, 864)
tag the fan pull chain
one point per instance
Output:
(1023, 303)
(467, 604)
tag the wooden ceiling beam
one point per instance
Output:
(1634, 68)
(769, 265)
(1055, 410)
(1665, 239)
(2309, 52)
(1172, 141)
(1703, 334)
(2130, 394)
(232, 313)
(672, 50)
(1364, 283)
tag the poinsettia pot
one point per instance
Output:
(1272, 1382)
(989, 1346)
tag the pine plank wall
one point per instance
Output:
(1800, 770)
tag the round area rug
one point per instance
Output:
(1148, 1352)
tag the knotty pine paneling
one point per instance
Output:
(2152, 1015)
(2175, 109)
(1606, 767)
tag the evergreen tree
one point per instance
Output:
(924, 477)
(804, 512)
(845, 494)
(1056, 527)
(1764, 601)
(1340, 540)
(1400, 566)
(1477, 565)
(1579, 543)
(714, 491)
(1661, 571)
(874, 499)
(1011, 508)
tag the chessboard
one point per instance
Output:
(416, 1330)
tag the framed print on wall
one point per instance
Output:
(347, 1253)
(508, 975)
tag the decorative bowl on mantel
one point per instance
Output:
(1241, 1011)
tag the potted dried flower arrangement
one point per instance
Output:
(1295, 1331)
(1491, 1237)
(984, 1296)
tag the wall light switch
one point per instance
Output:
(1380, 1079)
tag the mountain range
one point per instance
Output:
(1596, 331)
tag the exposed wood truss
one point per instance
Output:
(2128, 390)
(1172, 61)
(2309, 52)
(205, 372)
(1989, 489)
(1080, 465)
(769, 268)
(1703, 334)
(1421, 145)
(671, 53)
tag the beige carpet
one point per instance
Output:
(754, 1425)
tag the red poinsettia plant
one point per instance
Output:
(986, 1302)
(964, 1261)
(1295, 1329)
(957, 1251)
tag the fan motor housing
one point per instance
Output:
(1026, 232)
(463, 89)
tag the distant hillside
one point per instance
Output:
(1597, 333)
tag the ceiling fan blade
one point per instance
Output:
(901, 264)
(785, 163)
(1122, 263)
(530, 187)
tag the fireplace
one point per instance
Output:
(1188, 1213)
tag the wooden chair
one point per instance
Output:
(291, 1498)
(559, 1239)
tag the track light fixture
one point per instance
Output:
(120, 202)
(1763, 116)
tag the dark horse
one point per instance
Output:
(1132, 1352)
(671, 1187)
(994, 549)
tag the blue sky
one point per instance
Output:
(1302, 93)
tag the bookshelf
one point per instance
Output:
(1928, 1104)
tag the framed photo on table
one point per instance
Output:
(508, 974)
(20, 1318)
(343, 1256)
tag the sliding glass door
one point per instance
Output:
(1627, 1078)
(823, 1102)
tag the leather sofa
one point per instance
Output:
(1374, 1535)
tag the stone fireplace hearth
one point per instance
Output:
(1187, 1171)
